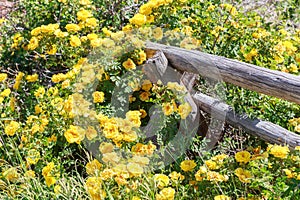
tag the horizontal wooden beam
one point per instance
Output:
(270, 82)
(266, 131)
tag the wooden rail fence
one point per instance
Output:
(270, 82)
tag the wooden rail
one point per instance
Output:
(263, 129)
(195, 62)
(270, 82)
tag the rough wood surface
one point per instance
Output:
(270, 82)
(265, 130)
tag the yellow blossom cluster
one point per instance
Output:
(145, 12)
(295, 122)
(47, 172)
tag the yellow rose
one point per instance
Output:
(128, 64)
(244, 175)
(98, 97)
(242, 156)
(75, 41)
(162, 180)
(279, 151)
(221, 197)
(93, 167)
(91, 133)
(184, 110)
(33, 43)
(138, 19)
(106, 147)
(74, 134)
(188, 165)
(135, 169)
(3, 76)
(11, 128)
(82, 15)
(134, 117)
(166, 194)
(32, 78)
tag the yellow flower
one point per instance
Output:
(166, 194)
(33, 156)
(146, 9)
(293, 68)
(162, 180)
(279, 151)
(188, 165)
(11, 174)
(47, 169)
(288, 173)
(74, 134)
(297, 148)
(136, 198)
(57, 189)
(60, 34)
(142, 57)
(33, 43)
(244, 175)
(85, 2)
(75, 41)
(138, 19)
(143, 113)
(3, 76)
(117, 36)
(98, 97)
(72, 27)
(135, 169)
(91, 22)
(82, 15)
(146, 85)
(219, 158)
(93, 167)
(50, 180)
(128, 64)
(39, 93)
(56, 78)
(5, 93)
(106, 147)
(134, 117)
(111, 158)
(91, 133)
(221, 197)
(106, 32)
(242, 156)
(142, 161)
(93, 186)
(212, 165)
(175, 176)
(157, 33)
(168, 108)
(53, 50)
(11, 128)
(184, 110)
(96, 42)
(110, 129)
(144, 96)
(32, 78)
(92, 36)
(201, 173)
(29, 174)
(216, 177)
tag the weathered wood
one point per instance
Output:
(265, 130)
(274, 83)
